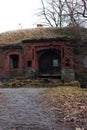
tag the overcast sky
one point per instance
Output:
(16, 14)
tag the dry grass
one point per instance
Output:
(15, 37)
(72, 101)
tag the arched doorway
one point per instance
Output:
(49, 63)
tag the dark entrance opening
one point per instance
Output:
(49, 64)
(14, 61)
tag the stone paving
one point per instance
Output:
(20, 109)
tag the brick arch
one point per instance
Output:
(14, 63)
(12, 54)
(49, 62)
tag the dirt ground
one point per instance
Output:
(23, 109)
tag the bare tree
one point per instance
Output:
(76, 11)
(59, 13)
(71, 11)
(53, 12)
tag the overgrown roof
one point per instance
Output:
(17, 36)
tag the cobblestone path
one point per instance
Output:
(20, 109)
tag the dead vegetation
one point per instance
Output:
(40, 82)
(16, 37)
(27, 83)
(71, 101)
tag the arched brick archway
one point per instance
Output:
(49, 63)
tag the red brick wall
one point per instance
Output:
(5, 65)
(30, 52)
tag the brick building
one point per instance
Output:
(43, 52)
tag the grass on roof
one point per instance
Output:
(15, 37)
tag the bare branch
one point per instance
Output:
(44, 12)
(84, 10)
(64, 12)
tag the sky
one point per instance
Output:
(17, 14)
